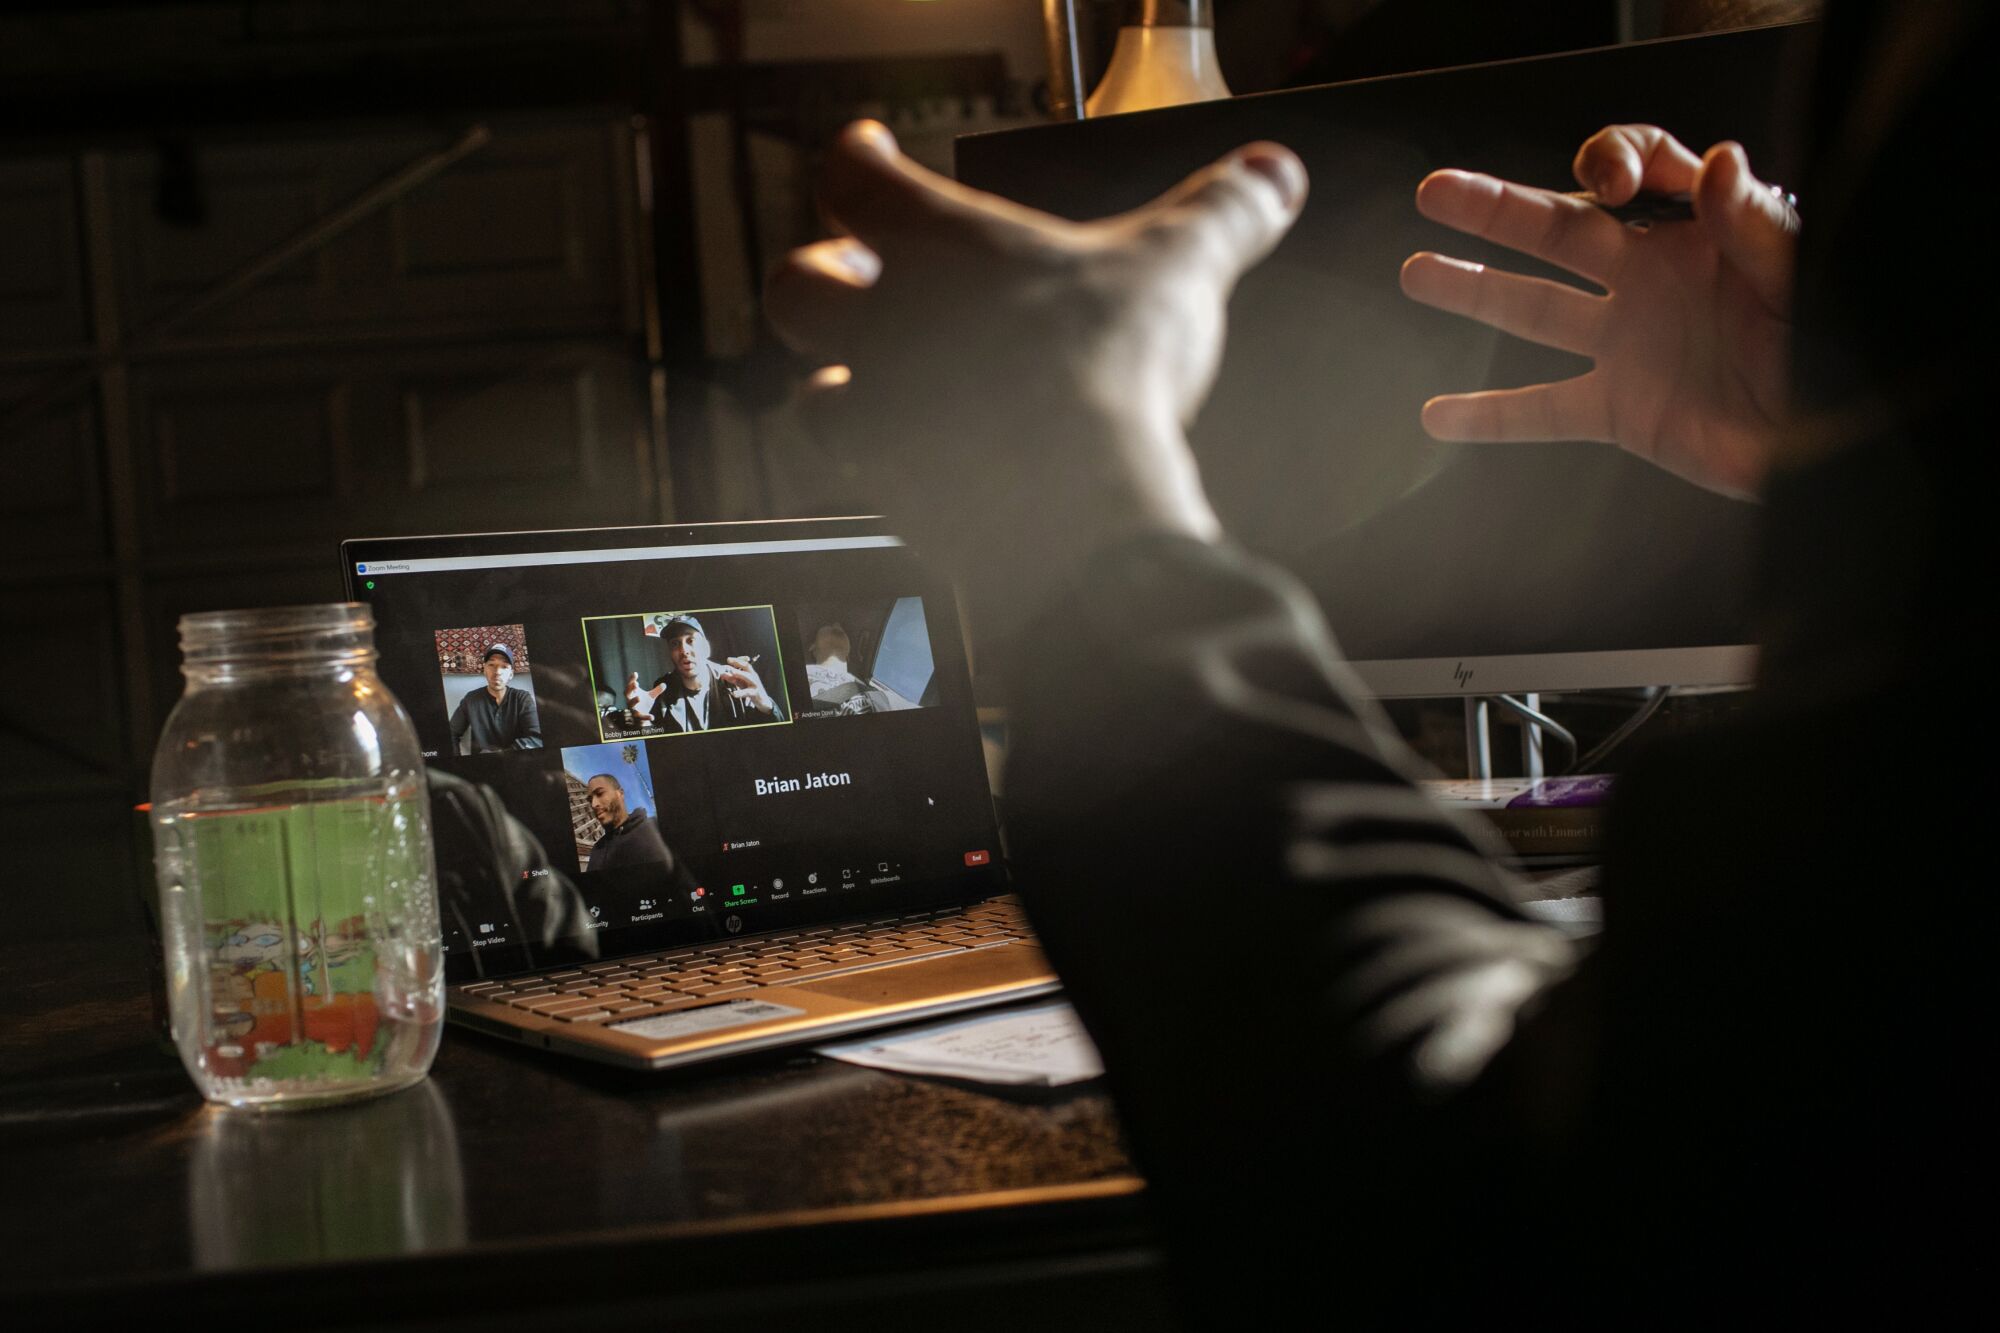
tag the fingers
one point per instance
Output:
(1562, 230)
(740, 673)
(1235, 209)
(1571, 409)
(817, 298)
(828, 413)
(1550, 313)
(1755, 229)
(871, 189)
(821, 400)
(1620, 160)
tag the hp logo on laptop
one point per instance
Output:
(732, 924)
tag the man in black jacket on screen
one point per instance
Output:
(696, 693)
(498, 717)
(629, 837)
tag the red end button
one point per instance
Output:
(978, 858)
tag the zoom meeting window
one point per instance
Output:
(794, 723)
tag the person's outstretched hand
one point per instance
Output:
(1015, 386)
(743, 683)
(635, 697)
(1691, 338)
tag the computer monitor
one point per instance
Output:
(1445, 569)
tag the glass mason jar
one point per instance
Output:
(291, 832)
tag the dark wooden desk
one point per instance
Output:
(516, 1190)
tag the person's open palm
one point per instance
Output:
(744, 684)
(1019, 382)
(1690, 339)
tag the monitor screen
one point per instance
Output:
(1468, 568)
(783, 710)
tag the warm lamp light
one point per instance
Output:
(1165, 57)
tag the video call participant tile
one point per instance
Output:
(867, 657)
(672, 673)
(612, 805)
(489, 690)
(630, 836)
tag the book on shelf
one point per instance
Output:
(1538, 817)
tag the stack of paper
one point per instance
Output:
(1040, 1046)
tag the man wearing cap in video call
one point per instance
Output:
(700, 695)
(498, 717)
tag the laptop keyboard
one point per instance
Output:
(658, 983)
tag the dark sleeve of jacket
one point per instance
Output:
(528, 730)
(491, 866)
(1297, 966)
(637, 844)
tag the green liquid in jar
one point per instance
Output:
(303, 966)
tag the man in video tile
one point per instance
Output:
(835, 686)
(630, 838)
(498, 717)
(697, 694)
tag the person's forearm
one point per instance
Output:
(1208, 786)
(1298, 968)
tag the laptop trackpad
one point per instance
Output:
(981, 970)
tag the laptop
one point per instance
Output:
(698, 791)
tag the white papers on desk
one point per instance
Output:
(1580, 916)
(1040, 1046)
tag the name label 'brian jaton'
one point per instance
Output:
(770, 786)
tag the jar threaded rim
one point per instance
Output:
(326, 632)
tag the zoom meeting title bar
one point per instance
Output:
(711, 550)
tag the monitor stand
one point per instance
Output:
(1479, 739)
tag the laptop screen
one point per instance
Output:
(706, 729)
